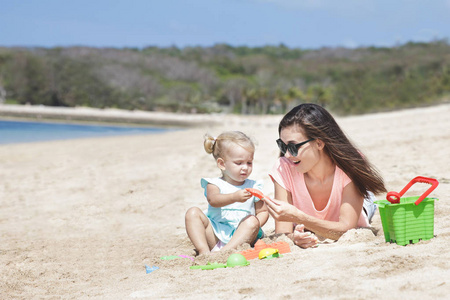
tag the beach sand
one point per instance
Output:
(81, 218)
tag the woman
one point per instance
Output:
(321, 180)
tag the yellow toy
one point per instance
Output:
(268, 253)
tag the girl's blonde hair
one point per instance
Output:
(219, 146)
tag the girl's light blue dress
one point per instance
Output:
(226, 219)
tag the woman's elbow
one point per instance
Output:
(342, 229)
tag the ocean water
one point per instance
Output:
(26, 132)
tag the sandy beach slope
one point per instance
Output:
(107, 115)
(81, 218)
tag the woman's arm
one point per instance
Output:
(285, 196)
(261, 212)
(298, 236)
(350, 210)
(216, 199)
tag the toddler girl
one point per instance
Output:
(233, 216)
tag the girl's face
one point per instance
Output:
(307, 155)
(237, 165)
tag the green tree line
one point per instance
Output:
(223, 78)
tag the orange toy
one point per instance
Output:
(257, 193)
(282, 247)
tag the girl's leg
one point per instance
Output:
(245, 233)
(199, 230)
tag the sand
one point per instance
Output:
(81, 218)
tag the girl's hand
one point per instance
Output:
(241, 196)
(303, 239)
(282, 211)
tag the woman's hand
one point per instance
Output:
(303, 239)
(285, 212)
(282, 211)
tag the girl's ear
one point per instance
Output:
(221, 164)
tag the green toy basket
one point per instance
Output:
(410, 219)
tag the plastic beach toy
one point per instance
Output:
(150, 269)
(282, 247)
(408, 220)
(257, 193)
(209, 266)
(234, 260)
(268, 253)
(237, 259)
(394, 197)
(170, 257)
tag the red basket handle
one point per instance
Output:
(394, 197)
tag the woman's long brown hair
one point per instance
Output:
(318, 123)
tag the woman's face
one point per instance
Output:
(307, 155)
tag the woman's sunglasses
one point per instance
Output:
(292, 148)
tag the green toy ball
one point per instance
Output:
(237, 259)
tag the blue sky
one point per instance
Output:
(307, 24)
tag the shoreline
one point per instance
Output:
(112, 116)
(105, 116)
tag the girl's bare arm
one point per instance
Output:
(216, 199)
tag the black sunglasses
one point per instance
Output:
(292, 148)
